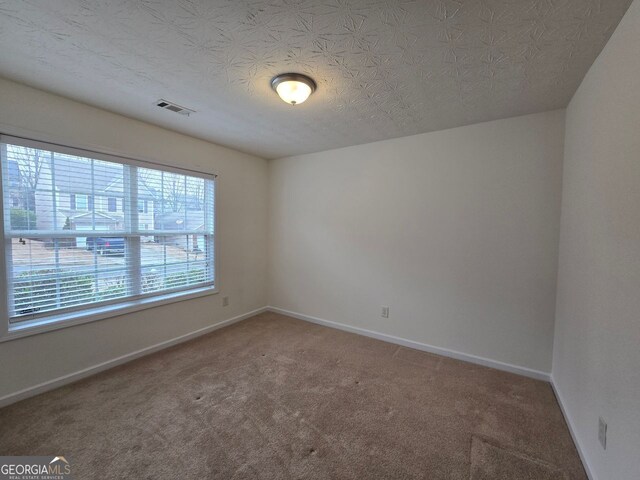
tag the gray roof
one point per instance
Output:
(176, 220)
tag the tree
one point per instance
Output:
(22, 219)
(195, 192)
(174, 191)
(167, 189)
(30, 164)
(171, 191)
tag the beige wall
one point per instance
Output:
(596, 362)
(242, 193)
(456, 231)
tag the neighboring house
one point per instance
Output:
(14, 183)
(88, 198)
(91, 198)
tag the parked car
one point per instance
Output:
(106, 245)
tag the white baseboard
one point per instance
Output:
(507, 367)
(80, 374)
(574, 433)
(87, 372)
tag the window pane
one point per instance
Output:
(176, 261)
(55, 191)
(179, 252)
(174, 202)
(82, 202)
(57, 273)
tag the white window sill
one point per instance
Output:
(56, 322)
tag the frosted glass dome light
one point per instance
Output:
(293, 88)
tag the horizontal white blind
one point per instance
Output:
(82, 231)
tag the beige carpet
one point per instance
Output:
(489, 462)
(278, 398)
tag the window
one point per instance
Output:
(80, 202)
(65, 259)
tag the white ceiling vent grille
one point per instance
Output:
(174, 107)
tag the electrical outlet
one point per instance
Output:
(602, 432)
(225, 301)
(385, 312)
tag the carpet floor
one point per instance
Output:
(277, 398)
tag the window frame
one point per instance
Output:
(90, 313)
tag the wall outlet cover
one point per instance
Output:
(602, 433)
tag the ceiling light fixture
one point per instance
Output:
(293, 88)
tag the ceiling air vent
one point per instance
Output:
(174, 107)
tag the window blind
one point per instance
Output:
(84, 229)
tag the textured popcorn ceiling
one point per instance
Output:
(384, 68)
